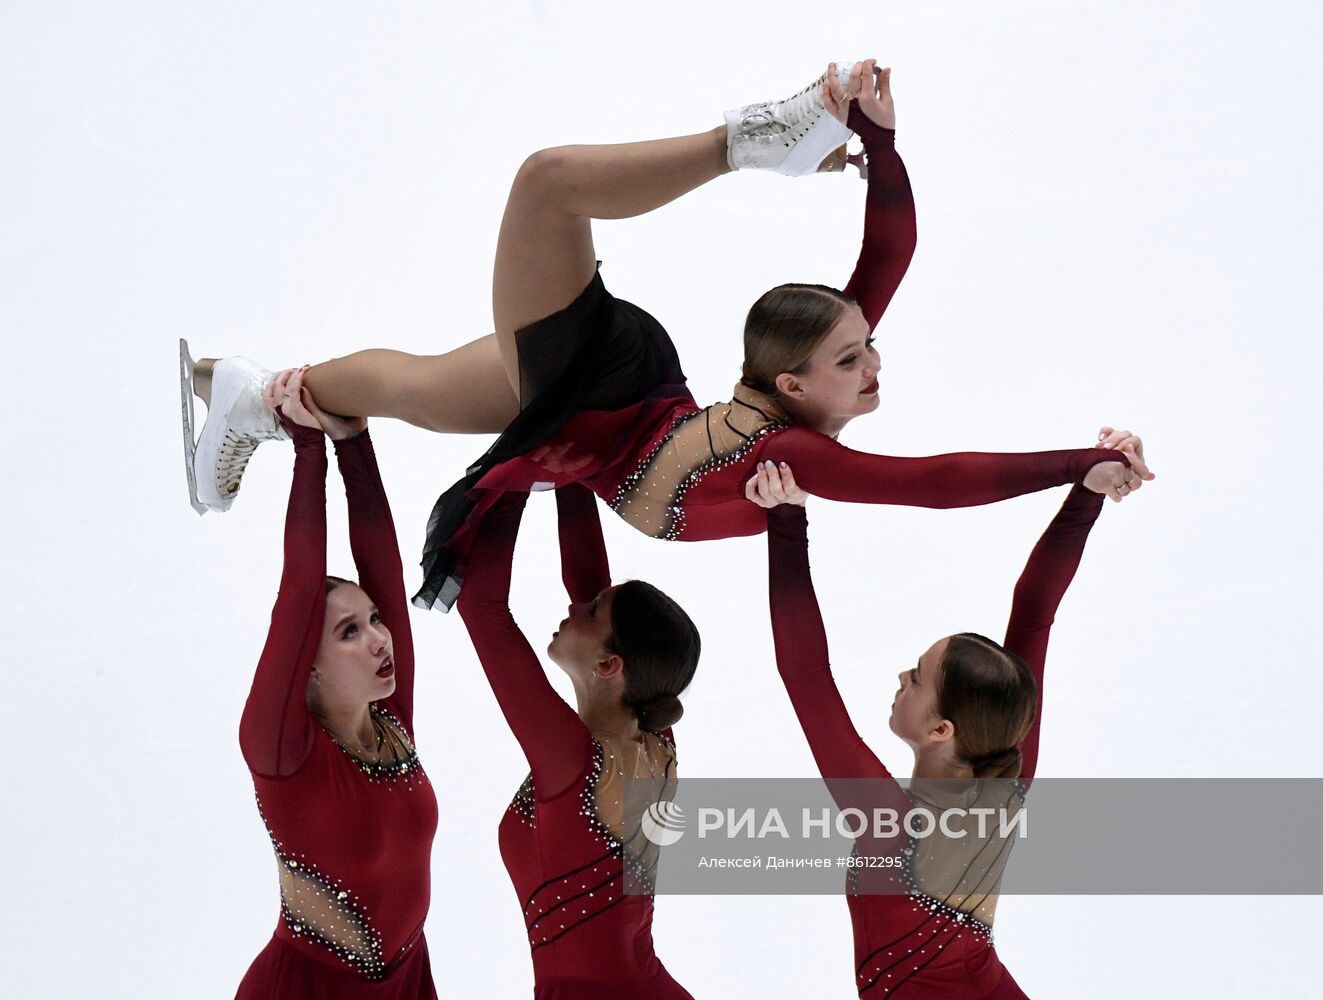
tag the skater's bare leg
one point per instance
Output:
(544, 259)
(545, 256)
(462, 392)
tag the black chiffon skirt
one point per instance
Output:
(598, 353)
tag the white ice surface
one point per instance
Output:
(1120, 222)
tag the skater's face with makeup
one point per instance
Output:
(580, 645)
(355, 662)
(838, 382)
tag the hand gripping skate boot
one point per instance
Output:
(237, 422)
(793, 137)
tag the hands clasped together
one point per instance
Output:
(287, 396)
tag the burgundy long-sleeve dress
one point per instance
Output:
(352, 838)
(560, 838)
(912, 939)
(675, 470)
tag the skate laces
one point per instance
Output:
(235, 451)
(772, 118)
(805, 104)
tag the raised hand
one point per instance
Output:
(870, 86)
(836, 97)
(770, 487)
(875, 95)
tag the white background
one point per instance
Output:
(1119, 214)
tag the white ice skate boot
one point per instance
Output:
(792, 137)
(237, 422)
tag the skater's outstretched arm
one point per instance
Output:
(555, 741)
(276, 730)
(830, 470)
(377, 556)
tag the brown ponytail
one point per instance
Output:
(989, 694)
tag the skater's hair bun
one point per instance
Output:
(990, 695)
(783, 329)
(659, 645)
(660, 713)
(1002, 764)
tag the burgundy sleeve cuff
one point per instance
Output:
(357, 441)
(871, 134)
(301, 435)
(1087, 458)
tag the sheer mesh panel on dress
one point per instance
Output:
(326, 911)
(628, 866)
(651, 498)
(653, 761)
(964, 872)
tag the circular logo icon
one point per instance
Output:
(663, 823)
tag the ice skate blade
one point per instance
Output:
(186, 369)
(839, 159)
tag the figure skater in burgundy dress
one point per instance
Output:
(922, 908)
(577, 861)
(585, 387)
(327, 733)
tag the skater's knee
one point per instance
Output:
(547, 170)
